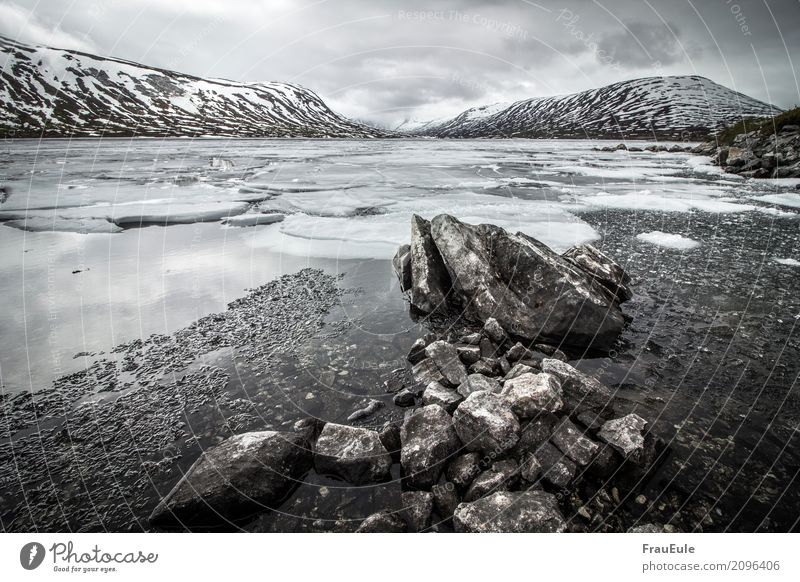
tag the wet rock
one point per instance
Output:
(447, 398)
(530, 290)
(485, 366)
(518, 352)
(626, 435)
(486, 483)
(390, 439)
(429, 276)
(478, 383)
(603, 269)
(531, 469)
(417, 352)
(484, 422)
(537, 431)
(309, 427)
(494, 331)
(488, 348)
(445, 356)
(510, 512)
(245, 474)
(518, 370)
(404, 398)
(445, 499)
(463, 469)
(473, 339)
(429, 440)
(505, 366)
(605, 462)
(530, 394)
(371, 408)
(417, 509)
(426, 372)
(557, 469)
(383, 522)
(581, 392)
(551, 351)
(402, 267)
(469, 354)
(351, 453)
(570, 440)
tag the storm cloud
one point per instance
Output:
(388, 61)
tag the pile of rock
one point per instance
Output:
(675, 148)
(483, 271)
(755, 155)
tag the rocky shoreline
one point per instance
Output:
(757, 155)
(501, 433)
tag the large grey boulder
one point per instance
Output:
(430, 280)
(447, 398)
(581, 392)
(530, 290)
(244, 475)
(478, 383)
(445, 356)
(354, 454)
(417, 509)
(626, 435)
(402, 267)
(510, 512)
(531, 394)
(603, 269)
(485, 422)
(571, 441)
(428, 442)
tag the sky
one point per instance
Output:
(385, 62)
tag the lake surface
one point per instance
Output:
(101, 251)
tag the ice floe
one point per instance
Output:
(668, 240)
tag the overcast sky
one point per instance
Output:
(386, 61)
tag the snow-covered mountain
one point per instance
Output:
(53, 92)
(663, 107)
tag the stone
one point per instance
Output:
(603, 269)
(530, 290)
(469, 354)
(486, 483)
(510, 512)
(426, 372)
(447, 398)
(488, 348)
(478, 383)
(430, 280)
(463, 469)
(531, 469)
(417, 510)
(557, 469)
(485, 366)
(518, 352)
(626, 435)
(404, 398)
(646, 528)
(537, 431)
(570, 440)
(580, 392)
(494, 331)
(428, 442)
(417, 352)
(354, 454)
(402, 267)
(390, 439)
(244, 475)
(530, 394)
(445, 499)
(445, 356)
(371, 408)
(383, 522)
(473, 339)
(518, 370)
(505, 366)
(309, 427)
(484, 422)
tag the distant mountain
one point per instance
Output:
(53, 92)
(656, 107)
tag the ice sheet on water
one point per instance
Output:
(790, 199)
(253, 219)
(668, 240)
(788, 262)
(60, 224)
(663, 200)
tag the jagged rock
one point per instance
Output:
(494, 331)
(429, 440)
(570, 441)
(383, 522)
(402, 267)
(417, 509)
(445, 356)
(485, 367)
(447, 398)
(505, 366)
(484, 422)
(426, 372)
(309, 427)
(557, 469)
(488, 348)
(417, 352)
(581, 392)
(531, 394)
(510, 512)
(463, 469)
(469, 354)
(405, 398)
(390, 438)
(486, 483)
(429, 276)
(478, 383)
(537, 431)
(354, 454)
(245, 474)
(517, 371)
(473, 339)
(604, 270)
(518, 352)
(530, 290)
(445, 499)
(531, 469)
(646, 528)
(626, 435)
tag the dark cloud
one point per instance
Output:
(388, 60)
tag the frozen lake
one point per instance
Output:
(102, 247)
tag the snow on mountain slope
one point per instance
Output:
(52, 92)
(664, 107)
